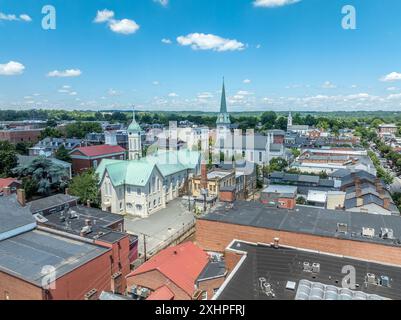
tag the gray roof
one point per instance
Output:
(13, 217)
(265, 264)
(283, 190)
(104, 295)
(25, 255)
(51, 202)
(214, 269)
(308, 220)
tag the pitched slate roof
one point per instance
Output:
(181, 264)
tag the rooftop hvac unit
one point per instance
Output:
(86, 230)
(371, 278)
(307, 267)
(385, 281)
(342, 227)
(368, 232)
(386, 233)
(316, 267)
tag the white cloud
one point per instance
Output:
(124, 26)
(155, 83)
(247, 81)
(103, 16)
(164, 3)
(173, 95)
(25, 17)
(205, 95)
(273, 3)
(392, 89)
(244, 93)
(328, 85)
(73, 93)
(394, 96)
(201, 41)
(258, 46)
(11, 68)
(393, 76)
(63, 91)
(64, 74)
(66, 87)
(113, 92)
(166, 41)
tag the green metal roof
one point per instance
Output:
(223, 117)
(138, 172)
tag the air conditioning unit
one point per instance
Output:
(342, 227)
(385, 281)
(368, 232)
(386, 233)
(307, 267)
(371, 278)
(86, 230)
(316, 267)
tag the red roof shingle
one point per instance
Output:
(181, 264)
(163, 293)
(6, 182)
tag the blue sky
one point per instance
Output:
(292, 56)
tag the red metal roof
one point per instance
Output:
(163, 293)
(100, 150)
(6, 182)
(181, 264)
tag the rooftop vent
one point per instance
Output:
(316, 267)
(385, 281)
(386, 233)
(86, 230)
(307, 267)
(40, 218)
(368, 232)
(342, 228)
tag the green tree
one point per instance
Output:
(30, 186)
(81, 129)
(268, 119)
(50, 132)
(8, 158)
(277, 164)
(63, 154)
(22, 147)
(295, 152)
(47, 175)
(85, 186)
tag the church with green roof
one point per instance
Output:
(143, 185)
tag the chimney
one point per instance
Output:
(203, 175)
(88, 203)
(91, 295)
(21, 197)
(386, 203)
(6, 191)
(276, 242)
(67, 191)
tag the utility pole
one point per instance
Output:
(144, 247)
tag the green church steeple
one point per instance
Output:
(223, 117)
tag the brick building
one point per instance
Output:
(279, 196)
(351, 234)
(15, 136)
(90, 157)
(183, 272)
(40, 263)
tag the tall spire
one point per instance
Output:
(134, 126)
(223, 105)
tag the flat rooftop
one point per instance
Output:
(308, 220)
(75, 218)
(13, 217)
(267, 271)
(25, 255)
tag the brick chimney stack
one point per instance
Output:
(21, 198)
(203, 175)
(386, 203)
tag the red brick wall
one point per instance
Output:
(120, 254)
(227, 196)
(20, 136)
(18, 289)
(79, 165)
(210, 285)
(96, 274)
(216, 236)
